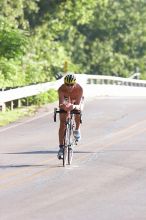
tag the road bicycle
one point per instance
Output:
(69, 139)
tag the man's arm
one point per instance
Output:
(61, 97)
(62, 104)
(79, 96)
(79, 104)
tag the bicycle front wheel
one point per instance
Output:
(66, 144)
(65, 155)
(70, 155)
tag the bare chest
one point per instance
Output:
(71, 96)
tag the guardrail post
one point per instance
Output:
(12, 105)
(19, 103)
(2, 107)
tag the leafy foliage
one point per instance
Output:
(94, 37)
(43, 98)
(12, 42)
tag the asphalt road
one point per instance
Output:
(107, 180)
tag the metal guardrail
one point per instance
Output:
(24, 92)
(110, 80)
(27, 91)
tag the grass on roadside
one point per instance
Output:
(11, 116)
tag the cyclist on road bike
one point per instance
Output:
(70, 97)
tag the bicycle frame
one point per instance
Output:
(69, 140)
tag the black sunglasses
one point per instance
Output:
(69, 84)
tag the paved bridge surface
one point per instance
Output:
(107, 180)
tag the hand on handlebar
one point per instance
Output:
(69, 107)
(66, 107)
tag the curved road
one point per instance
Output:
(107, 180)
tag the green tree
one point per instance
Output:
(94, 37)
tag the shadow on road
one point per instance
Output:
(34, 152)
(47, 152)
(19, 166)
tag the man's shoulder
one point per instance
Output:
(79, 86)
(61, 88)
